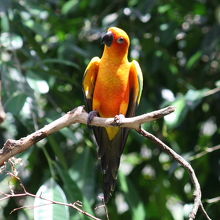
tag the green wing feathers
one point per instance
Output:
(137, 76)
(136, 86)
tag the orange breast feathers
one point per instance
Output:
(111, 95)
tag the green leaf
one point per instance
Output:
(57, 151)
(193, 60)
(61, 61)
(133, 158)
(188, 102)
(175, 118)
(68, 133)
(217, 83)
(83, 172)
(173, 68)
(43, 209)
(70, 185)
(15, 103)
(164, 8)
(132, 197)
(200, 9)
(68, 6)
(73, 191)
(193, 97)
(37, 83)
(4, 20)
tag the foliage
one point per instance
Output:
(45, 47)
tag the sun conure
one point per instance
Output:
(112, 86)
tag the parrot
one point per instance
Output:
(112, 87)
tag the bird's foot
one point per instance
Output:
(118, 120)
(91, 115)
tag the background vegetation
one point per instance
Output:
(45, 47)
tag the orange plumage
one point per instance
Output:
(112, 86)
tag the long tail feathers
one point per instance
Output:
(110, 153)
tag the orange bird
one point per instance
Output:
(112, 86)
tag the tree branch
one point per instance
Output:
(184, 163)
(75, 205)
(204, 152)
(213, 200)
(77, 115)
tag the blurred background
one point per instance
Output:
(45, 47)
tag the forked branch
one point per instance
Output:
(78, 115)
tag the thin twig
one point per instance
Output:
(26, 193)
(105, 208)
(72, 205)
(213, 200)
(212, 91)
(204, 211)
(204, 152)
(30, 207)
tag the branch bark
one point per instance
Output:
(204, 152)
(78, 115)
(184, 163)
(75, 205)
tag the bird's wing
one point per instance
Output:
(136, 86)
(89, 80)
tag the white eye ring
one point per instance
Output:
(120, 40)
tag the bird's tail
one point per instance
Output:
(110, 164)
(110, 153)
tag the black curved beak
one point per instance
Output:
(107, 38)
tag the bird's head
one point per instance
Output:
(116, 40)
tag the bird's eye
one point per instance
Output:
(120, 40)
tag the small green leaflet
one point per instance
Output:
(43, 209)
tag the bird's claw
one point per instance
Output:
(118, 120)
(91, 115)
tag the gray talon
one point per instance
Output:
(91, 115)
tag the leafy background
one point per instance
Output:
(45, 47)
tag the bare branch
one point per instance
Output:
(77, 115)
(206, 151)
(204, 211)
(74, 205)
(184, 163)
(29, 207)
(213, 200)
(212, 91)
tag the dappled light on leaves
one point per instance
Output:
(44, 49)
